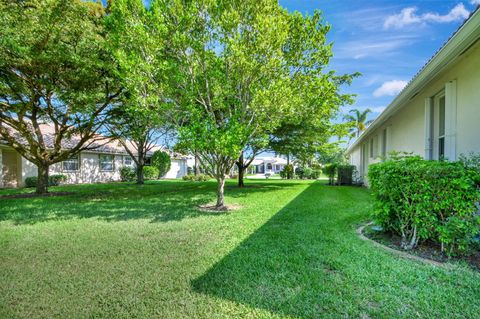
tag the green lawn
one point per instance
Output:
(124, 251)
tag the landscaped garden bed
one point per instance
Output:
(427, 250)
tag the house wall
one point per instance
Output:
(406, 128)
(178, 169)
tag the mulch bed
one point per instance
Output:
(426, 250)
(33, 195)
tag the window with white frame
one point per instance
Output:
(106, 162)
(71, 164)
(127, 161)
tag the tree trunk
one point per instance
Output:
(220, 193)
(42, 179)
(140, 177)
(241, 173)
(140, 164)
(241, 170)
(197, 166)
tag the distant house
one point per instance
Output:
(437, 115)
(98, 165)
(268, 165)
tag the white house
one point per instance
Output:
(98, 165)
(268, 165)
(437, 115)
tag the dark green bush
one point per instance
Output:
(287, 172)
(161, 160)
(300, 172)
(31, 181)
(345, 174)
(53, 180)
(426, 200)
(315, 174)
(150, 172)
(330, 170)
(127, 174)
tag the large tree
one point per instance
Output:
(56, 83)
(248, 66)
(138, 39)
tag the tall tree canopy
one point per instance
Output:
(56, 80)
(138, 38)
(246, 67)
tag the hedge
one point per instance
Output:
(422, 200)
(53, 180)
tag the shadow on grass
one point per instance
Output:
(280, 267)
(159, 201)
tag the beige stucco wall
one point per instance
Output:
(178, 169)
(89, 171)
(406, 128)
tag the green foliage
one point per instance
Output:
(127, 174)
(330, 170)
(307, 173)
(345, 174)
(287, 172)
(150, 172)
(56, 179)
(31, 181)
(426, 200)
(162, 161)
(53, 180)
(55, 68)
(196, 178)
(472, 163)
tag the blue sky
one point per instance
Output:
(387, 41)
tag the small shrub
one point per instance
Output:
(150, 173)
(31, 181)
(56, 179)
(426, 200)
(345, 174)
(162, 161)
(315, 174)
(307, 173)
(127, 174)
(287, 172)
(196, 178)
(188, 177)
(300, 172)
(330, 170)
(53, 180)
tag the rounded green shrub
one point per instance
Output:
(127, 174)
(423, 200)
(150, 172)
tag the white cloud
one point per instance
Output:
(408, 16)
(390, 88)
(475, 2)
(358, 49)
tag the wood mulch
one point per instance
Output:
(426, 252)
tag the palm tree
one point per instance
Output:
(359, 120)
